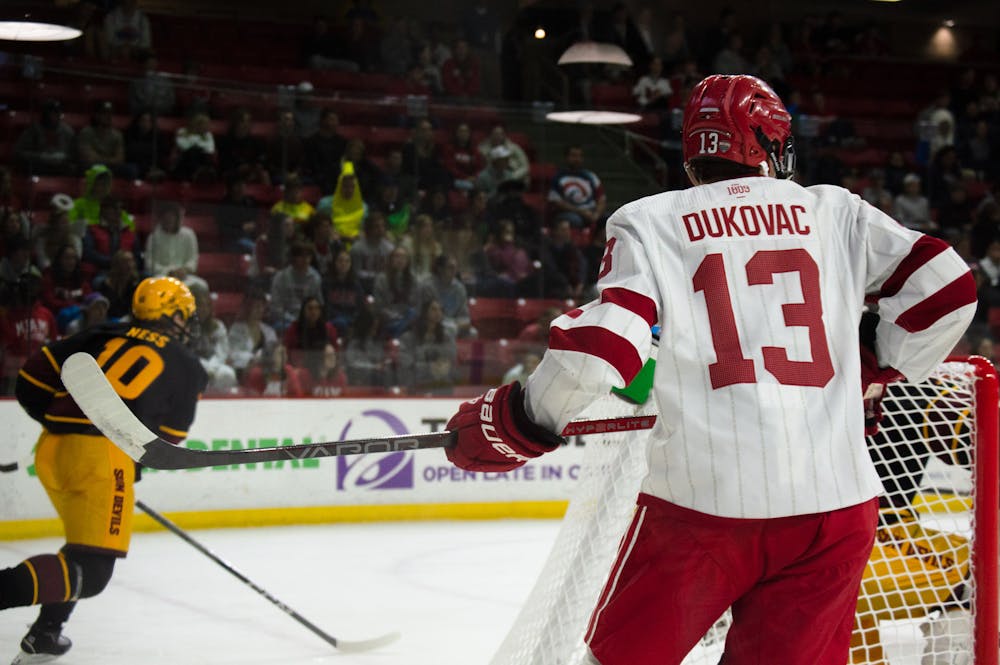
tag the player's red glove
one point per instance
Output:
(873, 382)
(493, 432)
(872, 373)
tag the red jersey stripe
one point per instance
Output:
(924, 314)
(634, 302)
(601, 343)
(923, 250)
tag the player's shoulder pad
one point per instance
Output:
(834, 194)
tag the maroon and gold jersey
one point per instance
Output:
(158, 377)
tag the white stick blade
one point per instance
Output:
(357, 646)
(91, 391)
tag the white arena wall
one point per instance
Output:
(395, 486)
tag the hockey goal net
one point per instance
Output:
(929, 596)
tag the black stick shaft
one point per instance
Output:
(170, 526)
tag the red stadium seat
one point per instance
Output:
(210, 193)
(541, 175)
(612, 95)
(42, 188)
(498, 357)
(494, 318)
(226, 305)
(14, 93)
(207, 230)
(222, 270)
(993, 320)
(529, 309)
(469, 360)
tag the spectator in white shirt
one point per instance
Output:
(517, 159)
(172, 248)
(911, 207)
(194, 149)
(212, 345)
(653, 91)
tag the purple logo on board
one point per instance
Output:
(376, 471)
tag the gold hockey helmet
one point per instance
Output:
(158, 297)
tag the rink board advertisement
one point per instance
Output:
(394, 479)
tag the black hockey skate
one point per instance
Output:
(42, 644)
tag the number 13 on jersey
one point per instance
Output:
(731, 366)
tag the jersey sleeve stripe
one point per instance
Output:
(174, 432)
(35, 382)
(634, 302)
(600, 343)
(926, 313)
(52, 360)
(68, 419)
(923, 250)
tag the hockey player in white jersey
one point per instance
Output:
(760, 495)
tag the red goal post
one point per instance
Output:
(944, 436)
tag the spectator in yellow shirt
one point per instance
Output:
(292, 203)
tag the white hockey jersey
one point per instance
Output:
(758, 285)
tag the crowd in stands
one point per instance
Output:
(382, 257)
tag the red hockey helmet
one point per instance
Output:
(740, 119)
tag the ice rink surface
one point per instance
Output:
(452, 589)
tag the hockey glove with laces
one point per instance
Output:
(493, 432)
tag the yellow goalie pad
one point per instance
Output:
(912, 570)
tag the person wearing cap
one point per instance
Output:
(911, 208)
(518, 159)
(93, 313)
(305, 110)
(48, 145)
(100, 143)
(497, 170)
(56, 233)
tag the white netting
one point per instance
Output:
(918, 600)
(549, 629)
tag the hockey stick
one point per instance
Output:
(85, 381)
(24, 462)
(342, 645)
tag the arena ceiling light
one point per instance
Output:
(34, 31)
(595, 52)
(589, 117)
